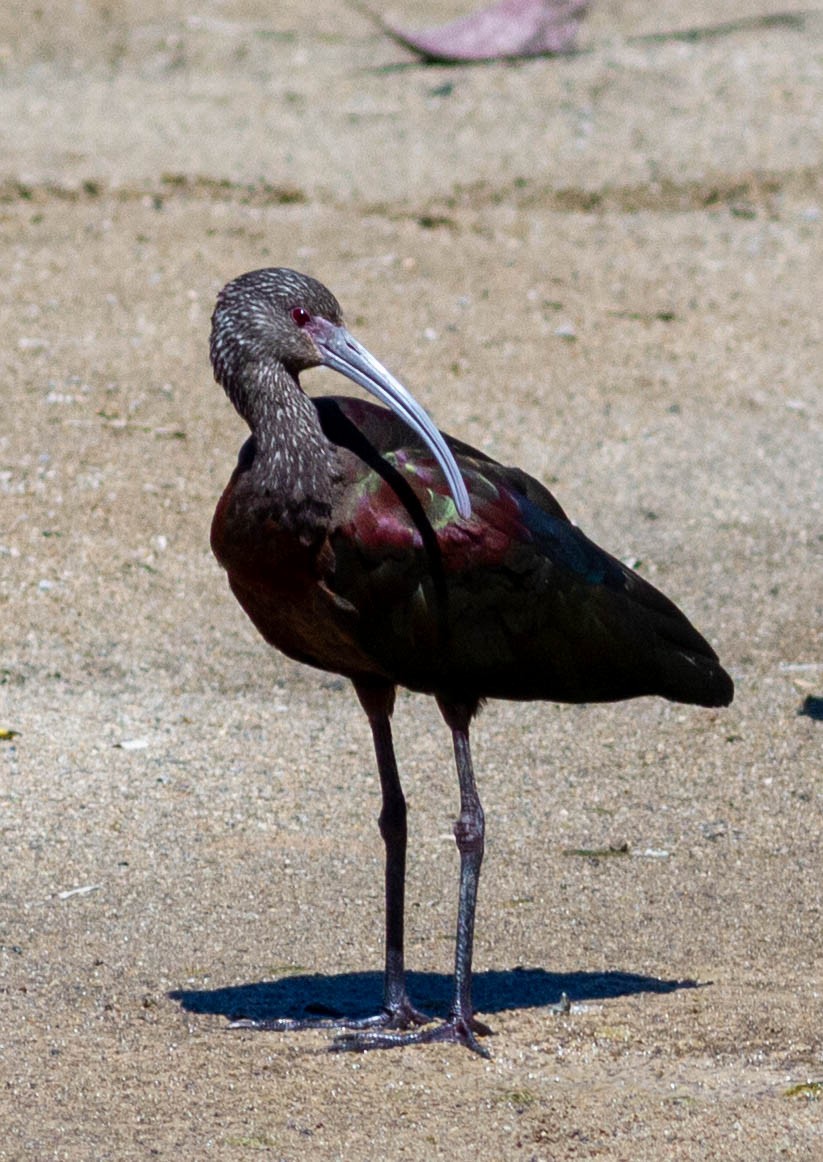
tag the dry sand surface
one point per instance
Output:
(605, 268)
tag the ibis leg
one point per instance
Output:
(461, 1026)
(397, 1012)
(378, 702)
(469, 833)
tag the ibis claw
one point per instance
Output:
(454, 1031)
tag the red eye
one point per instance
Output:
(301, 316)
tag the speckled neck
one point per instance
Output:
(294, 468)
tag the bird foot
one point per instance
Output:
(402, 1015)
(454, 1031)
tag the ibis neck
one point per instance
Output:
(295, 466)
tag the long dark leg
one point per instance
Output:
(469, 833)
(461, 1025)
(377, 699)
(378, 702)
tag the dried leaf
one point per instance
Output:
(511, 28)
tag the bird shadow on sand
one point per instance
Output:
(356, 994)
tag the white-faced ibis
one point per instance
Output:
(363, 542)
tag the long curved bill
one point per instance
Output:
(341, 351)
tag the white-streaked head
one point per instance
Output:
(277, 316)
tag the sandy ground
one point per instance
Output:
(605, 268)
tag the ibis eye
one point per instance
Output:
(300, 316)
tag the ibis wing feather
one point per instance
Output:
(516, 602)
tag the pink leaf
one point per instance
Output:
(511, 28)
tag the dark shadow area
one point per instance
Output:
(812, 708)
(358, 994)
